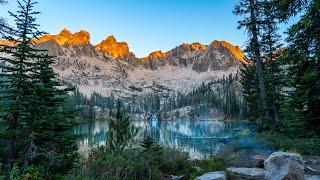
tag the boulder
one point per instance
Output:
(284, 165)
(258, 160)
(246, 173)
(218, 175)
(312, 164)
(311, 177)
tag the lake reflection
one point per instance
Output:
(199, 138)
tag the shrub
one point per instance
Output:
(136, 163)
(214, 163)
(302, 145)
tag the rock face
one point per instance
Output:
(246, 173)
(258, 160)
(311, 177)
(218, 175)
(109, 68)
(110, 46)
(284, 165)
(219, 55)
(65, 37)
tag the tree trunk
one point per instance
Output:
(255, 43)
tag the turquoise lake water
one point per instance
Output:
(198, 138)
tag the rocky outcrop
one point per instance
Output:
(66, 38)
(311, 177)
(110, 46)
(53, 48)
(155, 60)
(217, 175)
(242, 173)
(284, 165)
(234, 50)
(219, 55)
(277, 166)
(7, 43)
(258, 160)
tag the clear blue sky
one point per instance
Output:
(146, 25)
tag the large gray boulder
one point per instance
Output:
(218, 175)
(311, 177)
(258, 160)
(284, 165)
(242, 173)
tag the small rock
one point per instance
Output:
(172, 177)
(218, 175)
(284, 165)
(246, 173)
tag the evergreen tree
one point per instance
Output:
(51, 139)
(120, 133)
(251, 92)
(36, 130)
(252, 13)
(15, 84)
(4, 28)
(304, 68)
(270, 48)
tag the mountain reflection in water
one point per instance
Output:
(198, 138)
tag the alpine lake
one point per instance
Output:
(200, 138)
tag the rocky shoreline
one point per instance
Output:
(277, 166)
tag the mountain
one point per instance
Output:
(219, 55)
(113, 48)
(67, 38)
(109, 68)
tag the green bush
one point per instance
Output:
(138, 163)
(175, 162)
(303, 145)
(214, 163)
(33, 173)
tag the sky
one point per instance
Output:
(146, 25)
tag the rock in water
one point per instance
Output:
(246, 173)
(218, 175)
(284, 165)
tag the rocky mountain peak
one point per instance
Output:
(65, 37)
(113, 48)
(65, 32)
(194, 47)
(158, 55)
(155, 56)
(235, 50)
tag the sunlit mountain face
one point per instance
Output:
(110, 68)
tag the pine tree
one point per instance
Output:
(120, 133)
(270, 48)
(52, 140)
(251, 10)
(304, 67)
(36, 128)
(15, 84)
(251, 92)
(4, 28)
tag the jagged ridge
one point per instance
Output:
(218, 55)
